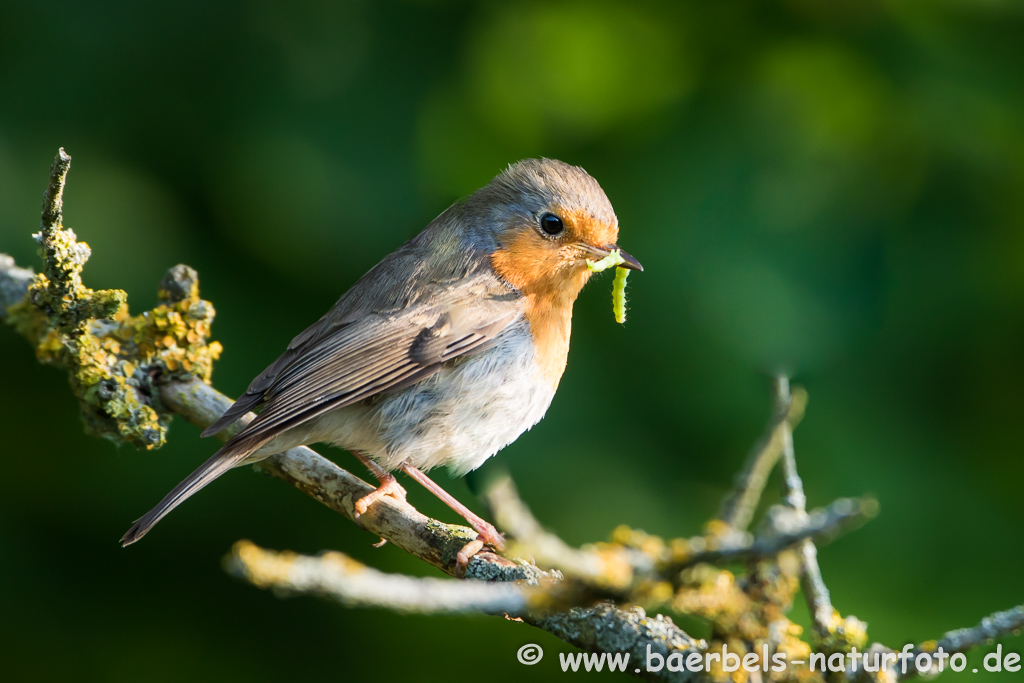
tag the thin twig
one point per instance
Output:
(792, 485)
(995, 625)
(783, 528)
(818, 601)
(52, 217)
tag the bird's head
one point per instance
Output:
(547, 219)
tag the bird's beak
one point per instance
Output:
(628, 261)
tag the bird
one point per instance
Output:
(443, 353)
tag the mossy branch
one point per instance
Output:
(114, 360)
(132, 373)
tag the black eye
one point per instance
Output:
(552, 224)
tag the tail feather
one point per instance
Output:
(221, 461)
(244, 404)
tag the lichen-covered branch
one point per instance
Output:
(57, 292)
(906, 664)
(597, 628)
(615, 567)
(606, 628)
(52, 217)
(114, 360)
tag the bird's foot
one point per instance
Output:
(389, 486)
(488, 535)
(465, 555)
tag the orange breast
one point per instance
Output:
(551, 324)
(549, 287)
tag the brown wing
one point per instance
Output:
(255, 394)
(435, 273)
(334, 365)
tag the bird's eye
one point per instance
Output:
(552, 224)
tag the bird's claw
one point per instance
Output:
(487, 535)
(388, 487)
(465, 555)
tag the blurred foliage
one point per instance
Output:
(834, 188)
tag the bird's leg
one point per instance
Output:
(389, 486)
(487, 533)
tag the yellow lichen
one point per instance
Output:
(114, 360)
(844, 634)
(264, 569)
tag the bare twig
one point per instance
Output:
(792, 485)
(783, 528)
(994, 625)
(818, 601)
(337, 576)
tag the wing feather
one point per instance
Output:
(328, 369)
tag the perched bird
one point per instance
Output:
(444, 353)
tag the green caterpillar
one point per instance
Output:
(619, 295)
(618, 285)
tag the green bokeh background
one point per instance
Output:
(834, 188)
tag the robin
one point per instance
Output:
(444, 353)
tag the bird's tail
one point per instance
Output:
(223, 460)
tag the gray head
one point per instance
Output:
(545, 218)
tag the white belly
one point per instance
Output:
(457, 417)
